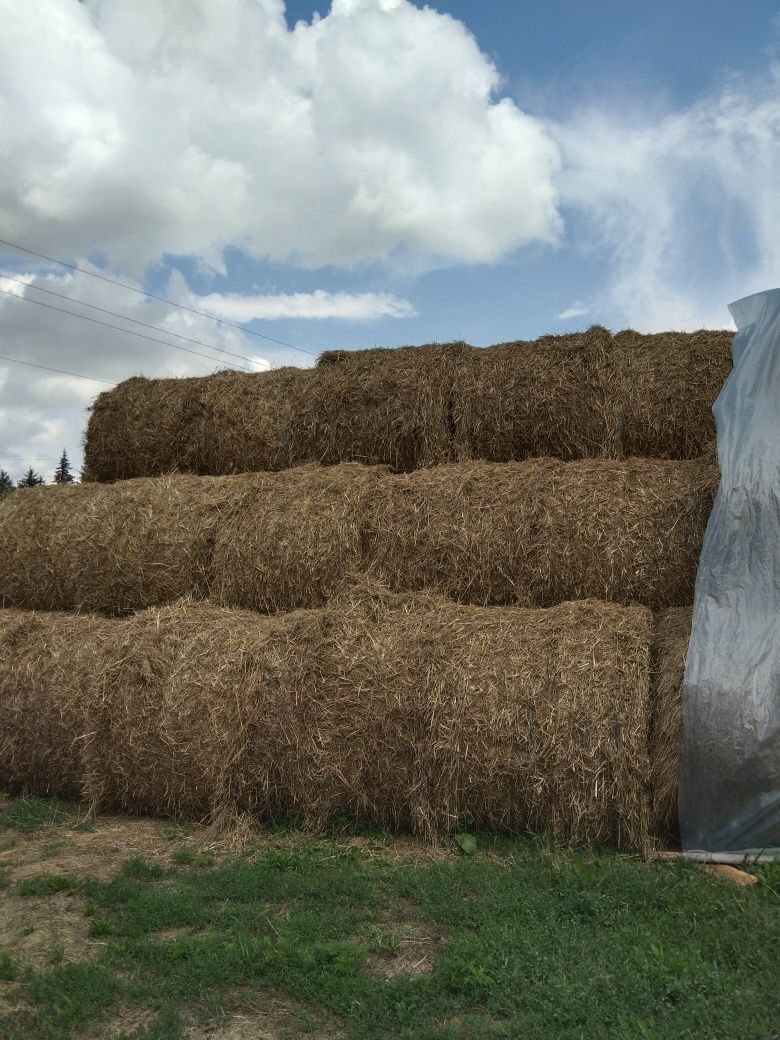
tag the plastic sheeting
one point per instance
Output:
(730, 769)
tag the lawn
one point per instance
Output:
(141, 929)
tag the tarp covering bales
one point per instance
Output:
(531, 533)
(730, 781)
(581, 395)
(405, 711)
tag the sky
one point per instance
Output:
(362, 173)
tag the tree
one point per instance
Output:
(6, 484)
(30, 479)
(62, 474)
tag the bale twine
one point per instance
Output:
(672, 633)
(530, 533)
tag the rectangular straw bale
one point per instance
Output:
(380, 406)
(514, 718)
(110, 549)
(659, 390)
(229, 422)
(524, 399)
(540, 532)
(670, 645)
(288, 539)
(47, 672)
(196, 717)
(624, 530)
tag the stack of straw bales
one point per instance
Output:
(408, 587)
(576, 396)
(532, 534)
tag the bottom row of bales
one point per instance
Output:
(407, 711)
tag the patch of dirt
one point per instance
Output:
(122, 1023)
(414, 944)
(275, 1020)
(44, 932)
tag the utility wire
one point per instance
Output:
(60, 371)
(151, 296)
(117, 328)
(125, 317)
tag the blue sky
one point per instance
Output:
(478, 171)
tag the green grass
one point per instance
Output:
(531, 942)
(30, 814)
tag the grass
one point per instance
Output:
(523, 940)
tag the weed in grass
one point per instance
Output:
(30, 813)
(140, 870)
(8, 969)
(57, 954)
(46, 884)
(5, 881)
(189, 857)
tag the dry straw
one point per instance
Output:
(530, 533)
(403, 710)
(580, 395)
(673, 630)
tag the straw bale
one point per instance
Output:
(539, 532)
(408, 711)
(524, 399)
(229, 422)
(195, 716)
(625, 530)
(288, 539)
(110, 549)
(380, 406)
(660, 390)
(435, 712)
(47, 673)
(672, 633)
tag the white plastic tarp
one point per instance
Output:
(730, 769)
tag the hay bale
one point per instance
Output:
(670, 645)
(111, 549)
(540, 532)
(525, 399)
(409, 711)
(196, 713)
(380, 406)
(659, 391)
(47, 678)
(625, 530)
(289, 539)
(229, 422)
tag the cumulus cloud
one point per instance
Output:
(375, 132)
(685, 209)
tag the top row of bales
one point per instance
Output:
(582, 395)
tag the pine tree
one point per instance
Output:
(6, 484)
(30, 479)
(62, 474)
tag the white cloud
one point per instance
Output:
(146, 128)
(318, 304)
(575, 311)
(685, 208)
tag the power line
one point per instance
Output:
(59, 371)
(125, 317)
(162, 299)
(117, 328)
